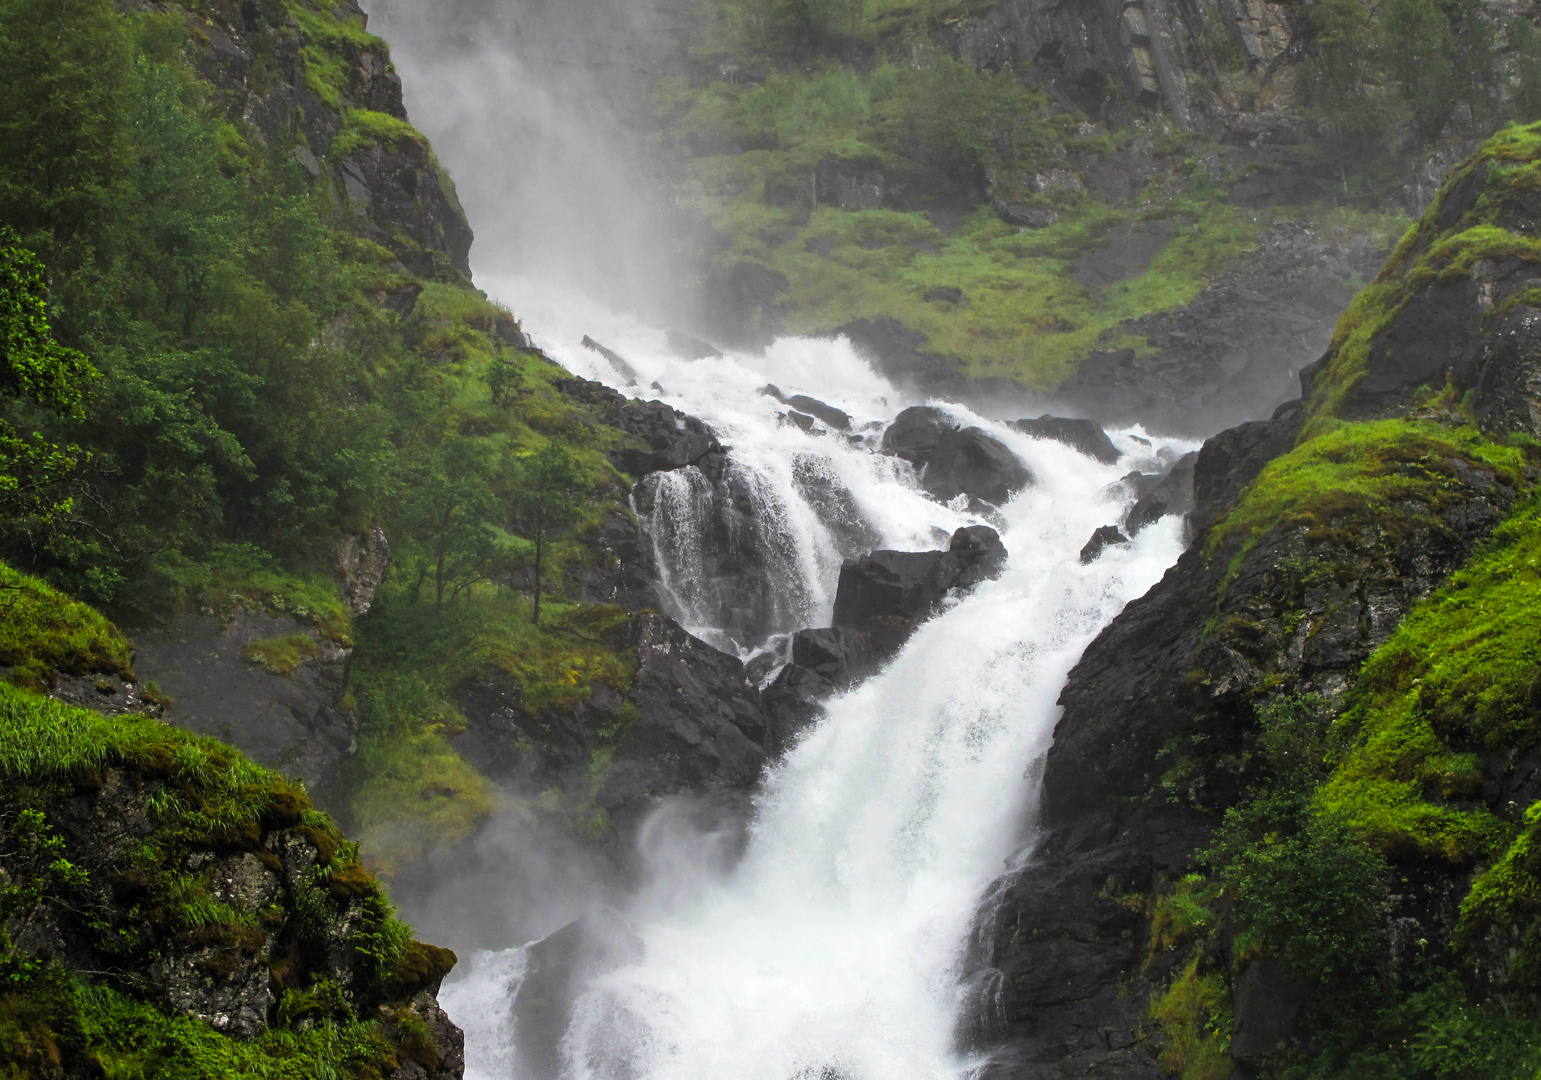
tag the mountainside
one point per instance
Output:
(1288, 807)
(1013, 191)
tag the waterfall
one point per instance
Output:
(830, 950)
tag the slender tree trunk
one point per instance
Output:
(540, 544)
(438, 582)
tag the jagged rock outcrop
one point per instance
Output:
(954, 460)
(691, 721)
(203, 888)
(322, 113)
(886, 594)
(662, 437)
(1086, 436)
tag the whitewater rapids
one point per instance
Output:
(831, 950)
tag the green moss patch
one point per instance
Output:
(1459, 676)
(281, 655)
(43, 631)
(1385, 474)
(362, 128)
(1436, 249)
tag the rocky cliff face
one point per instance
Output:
(1284, 591)
(314, 84)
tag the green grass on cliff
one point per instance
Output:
(43, 631)
(1431, 252)
(1023, 314)
(1456, 683)
(415, 791)
(1385, 473)
(193, 795)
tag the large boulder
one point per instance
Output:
(559, 968)
(954, 460)
(885, 594)
(1171, 494)
(662, 437)
(1086, 436)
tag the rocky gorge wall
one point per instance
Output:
(1285, 593)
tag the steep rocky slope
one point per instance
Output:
(1327, 541)
(168, 908)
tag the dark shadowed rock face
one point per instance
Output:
(955, 461)
(885, 594)
(692, 722)
(663, 438)
(1086, 436)
(794, 700)
(291, 723)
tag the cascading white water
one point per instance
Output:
(830, 950)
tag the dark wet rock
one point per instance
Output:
(1105, 537)
(901, 355)
(887, 593)
(915, 433)
(1267, 1002)
(839, 654)
(833, 417)
(696, 724)
(955, 461)
(688, 348)
(560, 967)
(623, 573)
(292, 723)
(798, 419)
(943, 294)
(973, 463)
(618, 362)
(1172, 494)
(1086, 436)
(663, 438)
(794, 700)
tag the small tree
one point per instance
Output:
(547, 503)
(448, 516)
(35, 370)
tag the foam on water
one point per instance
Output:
(831, 949)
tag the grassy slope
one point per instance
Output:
(1024, 315)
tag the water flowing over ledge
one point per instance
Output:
(830, 949)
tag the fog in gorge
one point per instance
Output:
(816, 928)
(541, 112)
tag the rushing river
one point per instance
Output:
(830, 949)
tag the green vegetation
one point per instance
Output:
(1385, 474)
(1195, 1014)
(1456, 682)
(931, 123)
(43, 631)
(200, 799)
(273, 381)
(1438, 248)
(413, 790)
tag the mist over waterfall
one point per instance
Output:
(828, 944)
